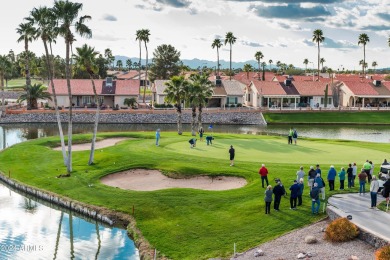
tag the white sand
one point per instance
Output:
(150, 180)
(98, 145)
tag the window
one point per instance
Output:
(249, 97)
(87, 100)
(231, 100)
(329, 101)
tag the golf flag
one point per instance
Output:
(210, 126)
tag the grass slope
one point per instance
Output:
(355, 117)
(189, 223)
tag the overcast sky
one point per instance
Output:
(281, 30)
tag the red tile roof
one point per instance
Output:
(243, 76)
(269, 87)
(84, 87)
(311, 88)
(361, 88)
(128, 75)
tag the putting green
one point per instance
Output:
(276, 150)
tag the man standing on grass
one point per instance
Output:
(232, 154)
(300, 173)
(294, 195)
(290, 135)
(367, 169)
(311, 176)
(315, 199)
(263, 173)
(278, 191)
(331, 176)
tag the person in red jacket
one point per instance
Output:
(263, 173)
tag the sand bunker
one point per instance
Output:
(150, 180)
(98, 145)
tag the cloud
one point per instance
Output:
(107, 37)
(110, 18)
(175, 3)
(384, 16)
(151, 6)
(289, 11)
(332, 44)
(250, 44)
(376, 27)
(291, 1)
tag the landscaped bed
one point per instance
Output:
(189, 223)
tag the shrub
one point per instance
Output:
(341, 230)
(383, 253)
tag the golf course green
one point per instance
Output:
(190, 223)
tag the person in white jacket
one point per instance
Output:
(374, 187)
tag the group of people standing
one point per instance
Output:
(317, 185)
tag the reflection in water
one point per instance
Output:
(46, 233)
(16, 133)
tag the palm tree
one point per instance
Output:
(138, 37)
(129, 64)
(305, 61)
(217, 44)
(322, 61)
(67, 13)
(270, 62)
(86, 61)
(259, 55)
(363, 39)
(143, 36)
(27, 33)
(45, 22)
(374, 64)
(175, 91)
(192, 90)
(318, 38)
(263, 64)
(119, 64)
(5, 65)
(204, 92)
(33, 93)
(278, 64)
(248, 68)
(231, 39)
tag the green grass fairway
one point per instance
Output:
(21, 82)
(190, 223)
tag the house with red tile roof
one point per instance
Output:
(225, 93)
(269, 94)
(110, 93)
(365, 93)
(312, 93)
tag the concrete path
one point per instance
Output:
(373, 221)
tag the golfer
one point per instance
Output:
(232, 153)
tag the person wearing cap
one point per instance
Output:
(374, 187)
(331, 176)
(278, 191)
(264, 175)
(311, 176)
(157, 136)
(300, 193)
(320, 185)
(294, 195)
(315, 199)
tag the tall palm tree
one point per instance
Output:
(5, 65)
(318, 38)
(258, 56)
(204, 92)
(305, 61)
(322, 61)
(231, 39)
(143, 36)
(138, 37)
(191, 91)
(278, 64)
(86, 61)
(44, 20)
(67, 13)
(119, 64)
(175, 91)
(27, 33)
(270, 62)
(33, 93)
(248, 68)
(363, 39)
(129, 63)
(263, 64)
(374, 64)
(217, 44)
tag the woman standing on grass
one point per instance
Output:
(374, 187)
(268, 199)
(300, 192)
(354, 173)
(342, 178)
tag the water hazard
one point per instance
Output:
(31, 230)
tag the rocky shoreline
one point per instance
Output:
(155, 117)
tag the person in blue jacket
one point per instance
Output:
(331, 176)
(294, 195)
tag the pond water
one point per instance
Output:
(31, 230)
(16, 133)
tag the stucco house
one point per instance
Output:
(366, 93)
(312, 93)
(110, 92)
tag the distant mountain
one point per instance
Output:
(196, 63)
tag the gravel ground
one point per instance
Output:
(290, 245)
